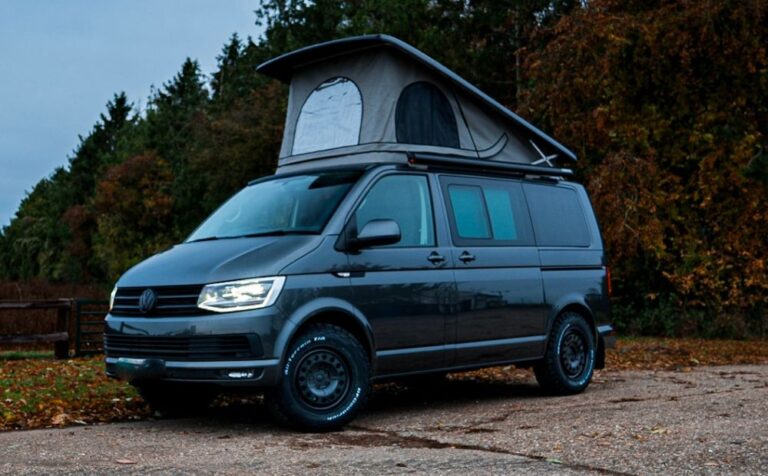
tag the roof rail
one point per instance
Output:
(415, 158)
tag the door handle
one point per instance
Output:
(466, 257)
(436, 258)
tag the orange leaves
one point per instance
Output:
(665, 104)
(37, 393)
(678, 354)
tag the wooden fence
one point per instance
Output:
(59, 337)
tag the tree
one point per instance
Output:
(666, 103)
(133, 204)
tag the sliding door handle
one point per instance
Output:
(436, 258)
(466, 257)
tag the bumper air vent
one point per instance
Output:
(217, 347)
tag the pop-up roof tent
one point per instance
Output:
(375, 98)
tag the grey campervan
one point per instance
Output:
(414, 226)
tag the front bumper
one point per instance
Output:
(235, 349)
(248, 373)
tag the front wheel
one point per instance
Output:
(325, 380)
(568, 365)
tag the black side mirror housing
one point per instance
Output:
(377, 232)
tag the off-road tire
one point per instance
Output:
(569, 362)
(325, 380)
(175, 399)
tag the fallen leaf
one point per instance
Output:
(125, 461)
(60, 419)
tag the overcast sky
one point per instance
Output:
(61, 61)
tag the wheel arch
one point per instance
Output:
(328, 311)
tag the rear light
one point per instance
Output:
(608, 281)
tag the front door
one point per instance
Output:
(406, 289)
(500, 312)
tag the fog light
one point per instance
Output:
(241, 374)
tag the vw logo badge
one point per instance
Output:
(147, 300)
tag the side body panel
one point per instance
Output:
(406, 298)
(500, 312)
(576, 275)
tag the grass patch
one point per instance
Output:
(25, 354)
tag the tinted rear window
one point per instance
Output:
(558, 218)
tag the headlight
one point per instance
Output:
(112, 298)
(241, 295)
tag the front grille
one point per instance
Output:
(216, 347)
(171, 301)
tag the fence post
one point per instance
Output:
(77, 328)
(61, 349)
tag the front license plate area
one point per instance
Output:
(139, 369)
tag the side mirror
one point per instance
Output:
(376, 233)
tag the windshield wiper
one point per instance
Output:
(260, 233)
(208, 238)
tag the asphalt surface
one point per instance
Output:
(708, 420)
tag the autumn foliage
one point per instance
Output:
(133, 203)
(664, 102)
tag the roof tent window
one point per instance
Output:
(424, 116)
(329, 118)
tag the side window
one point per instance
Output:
(329, 118)
(469, 211)
(487, 212)
(500, 210)
(406, 200)
(557, 216)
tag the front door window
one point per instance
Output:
(404, 199)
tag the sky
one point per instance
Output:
(61, 61)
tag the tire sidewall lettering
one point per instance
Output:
(349, 406)
(292, 357)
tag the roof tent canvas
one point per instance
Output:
(374, 98)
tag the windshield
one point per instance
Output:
(299, 204)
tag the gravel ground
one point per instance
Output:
(707, 420)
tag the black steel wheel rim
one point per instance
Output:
(573, 353)
(322, 379)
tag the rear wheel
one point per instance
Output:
(569, 362)
(174, 399)
(326, 380)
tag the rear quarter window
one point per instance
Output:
(557, 216)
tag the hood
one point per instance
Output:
(220, 260)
